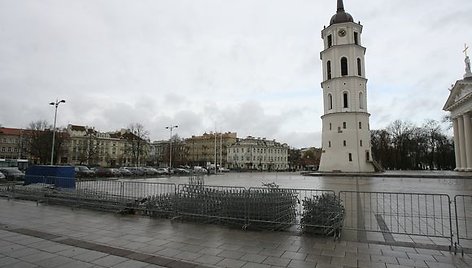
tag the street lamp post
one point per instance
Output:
(55, 104)
(170, 145)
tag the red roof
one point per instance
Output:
(11, 131)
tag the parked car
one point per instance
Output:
(12, 173)
(104, 172)
(2, 177)
(124, 172)
(137, 171)
(150, 171)
(198, 169)
(162, 171)
(115, 172)
(222, 169)
(181, 171)
(83, 172)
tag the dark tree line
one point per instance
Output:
(38, 140)
(405, 146)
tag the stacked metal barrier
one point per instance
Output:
(217, 204)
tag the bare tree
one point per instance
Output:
(89, 148)
(137, 141)
(405, 146)
(39, 142)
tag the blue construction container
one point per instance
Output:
(59, 176)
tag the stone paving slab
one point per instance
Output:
(34, 235)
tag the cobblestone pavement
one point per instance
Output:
(34, 235)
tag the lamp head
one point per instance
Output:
(51, 103)
(63, 101)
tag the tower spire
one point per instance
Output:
(341, 16)
(340, 6)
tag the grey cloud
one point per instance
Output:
(250, 66)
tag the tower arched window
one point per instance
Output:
(328, 69)
(361, 100)
(330, 101)
(359, 67)
(345, 100)
(343, 66)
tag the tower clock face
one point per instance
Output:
(342, 32)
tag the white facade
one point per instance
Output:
(258, 154)
(459, 104)
(345, 123)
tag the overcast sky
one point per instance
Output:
(246, 66)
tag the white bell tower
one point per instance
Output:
(345, 131)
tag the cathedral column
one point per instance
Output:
(468, 141)
(457, 148)
(462, 143)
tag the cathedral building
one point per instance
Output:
(345, 130)
(459, 104)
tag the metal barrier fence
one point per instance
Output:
(390, 213)
(463, 216)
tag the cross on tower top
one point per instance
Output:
(465, 50)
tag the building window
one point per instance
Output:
(344, 143)
(350, 157)
(344, 125)
(361, 100)
(345, 100)
(356, 38)
(328, 69)
(330, 101)
(360, 143)
(330, 126)
(360, 125)
(343, 66)
(359, 67)
(329, 144)
(330, 41)
(367, 156)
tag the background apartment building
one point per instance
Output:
(159, 153)
(86, 146)
(203, 149)
(258, 154)
(13, 144)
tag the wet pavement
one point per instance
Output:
(438, 182)
(40, 235)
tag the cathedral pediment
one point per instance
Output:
(460, 92)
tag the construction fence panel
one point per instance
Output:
(390, 213)
(463, 220)
(42, 190)
(105, 195)
(151, 198)
(215, 204)
(7, 189)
